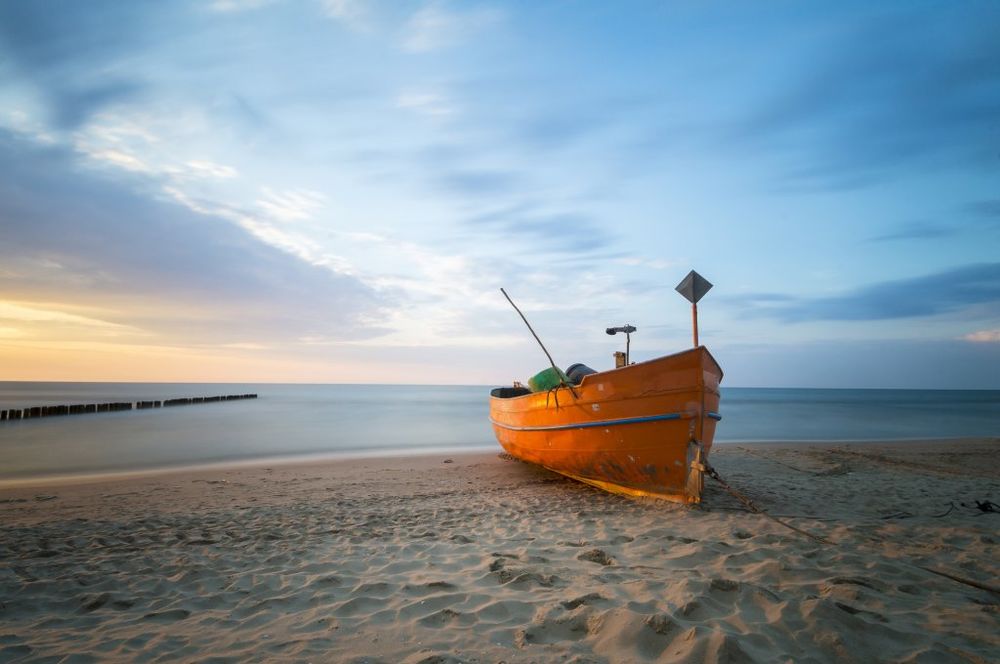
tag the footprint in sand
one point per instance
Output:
(555, 630)
(682, 540)
(855, 611)
(858, 581)
(12, 652)
(661, 624)
(91, 603)
(529, 579)
(596, 556)
(446, 618)
(171, 614)
(427, 588)
(94, 603)
(588, 599)
(724, 585)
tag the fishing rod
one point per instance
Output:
(544, 350)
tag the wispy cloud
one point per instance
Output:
(353, 13)
(941, 293)
(916, 230)
(285, 209)
(984, 336)
(478, 182)
(362, 174)
(426, 103)
(436, 26)
(133, 144)
(651, 263)
(233, 6)
(877, 97)
(47, 313)
(69, 56)
(543, 230)
(211, 169)
(291, 205)
(168, 266)
(987, 208)
(122, 160)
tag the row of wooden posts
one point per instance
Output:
(78, 409)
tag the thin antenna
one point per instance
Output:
(558, 372)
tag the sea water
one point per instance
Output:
(302, 421)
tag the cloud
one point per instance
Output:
(544, 231)
(34, 312)
(235, 6)
(425, 103)
(975, 217)
(652, 263)
(288, 240)
(987, 208)
(72, 107)
(478, 182)
(942, 293)
(435, 27)
(916, 230)
(157, 265)
(132, 143)
(984, 336)
(243, 117)
(353, 13)
(882, 97)
(122, 160)
(845, 364)
(210, 169)
(71, 53)
(563, 125)
(291, 205)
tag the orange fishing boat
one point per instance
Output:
(642, 429)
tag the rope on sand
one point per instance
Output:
(753, 508)
(714, 474)
(961, 579)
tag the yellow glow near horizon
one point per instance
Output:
(52, 341)
(59, 341)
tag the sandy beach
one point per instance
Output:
(477, 558)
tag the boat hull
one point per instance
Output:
(641, 430)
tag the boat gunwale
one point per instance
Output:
(583, 382)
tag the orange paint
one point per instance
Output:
(641, 430)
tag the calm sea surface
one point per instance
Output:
(305, 420)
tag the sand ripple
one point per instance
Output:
(489, 560)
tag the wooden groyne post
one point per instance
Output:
(34, 412)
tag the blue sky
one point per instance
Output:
(334, 191)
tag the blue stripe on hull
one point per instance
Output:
(587, 425)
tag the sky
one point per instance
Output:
(335, 190)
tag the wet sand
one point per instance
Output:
(475, 558)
